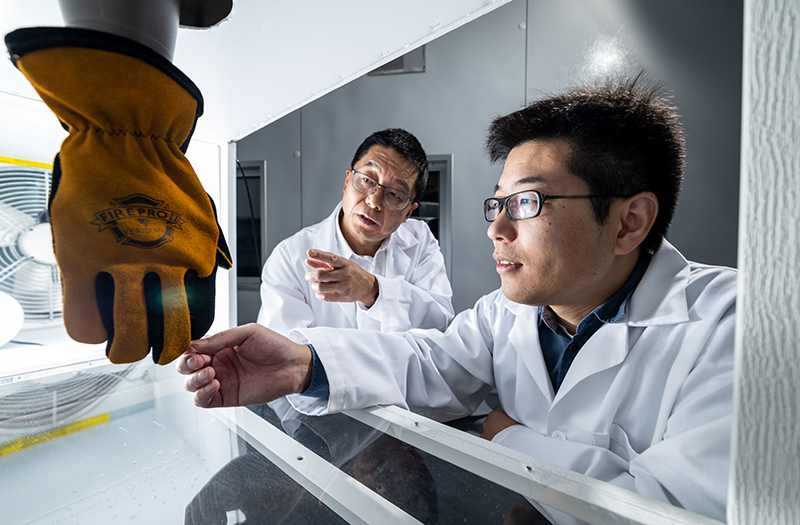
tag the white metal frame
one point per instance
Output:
(351, 500)
(586, 498)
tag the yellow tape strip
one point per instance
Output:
(29, 441)
(19, 162)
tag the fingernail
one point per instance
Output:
(200, 342)
(312, 253)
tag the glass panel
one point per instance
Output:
(123, 443)
(112, 444)
(424, 486)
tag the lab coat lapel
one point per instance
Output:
(397, 245)
(329, 237)
(524, 335)
(660, 298)
(607, 348)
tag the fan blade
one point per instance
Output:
(37, 288)
(7, 271)
(12, 223)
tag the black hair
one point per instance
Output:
(625, 138)
(406, 145)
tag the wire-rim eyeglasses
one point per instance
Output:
(366, 185)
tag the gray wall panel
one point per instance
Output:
(472, 74)
(488, 67)
(695, 49)
(279, 144)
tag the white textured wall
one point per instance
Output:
(765, 480)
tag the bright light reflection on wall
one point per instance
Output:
(606, 56)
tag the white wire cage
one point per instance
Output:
(28, 269)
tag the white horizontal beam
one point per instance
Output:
(585, 498)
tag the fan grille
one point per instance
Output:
(34, 283)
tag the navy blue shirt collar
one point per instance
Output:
(559, 348)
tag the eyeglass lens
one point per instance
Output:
(520, 206)
(367, 185)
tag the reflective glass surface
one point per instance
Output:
(99, 443)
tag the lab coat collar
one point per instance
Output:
(402, 238)
(660, 298)
(612, 338)
(524, 335)
(329, 237)
(606, 349)
(521, 309)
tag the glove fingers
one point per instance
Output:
(137, 322)
(175, 317)
(128, 334)
(155, 313)
(190, 313)
(200, 293)
(82, 317)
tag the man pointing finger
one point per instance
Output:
(367, 265)
(338, 280)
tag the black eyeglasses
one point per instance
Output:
(526, 204)
(393, 198)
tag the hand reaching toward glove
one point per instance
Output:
(246, 365)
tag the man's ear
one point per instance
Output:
(635, 216)
(346, 180)
(411, 209)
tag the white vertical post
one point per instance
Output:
(765, 461)
(229, 184)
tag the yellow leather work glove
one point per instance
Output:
(135, 234)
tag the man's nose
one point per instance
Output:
(501, 228)
(375, 199)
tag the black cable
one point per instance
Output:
(252, 215)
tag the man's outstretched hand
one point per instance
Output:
(246, 365)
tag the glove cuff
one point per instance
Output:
(30, 39)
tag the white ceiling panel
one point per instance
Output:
(265, 60)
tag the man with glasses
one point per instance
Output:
(365, 266)
(612, 355)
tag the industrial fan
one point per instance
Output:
(28, 269)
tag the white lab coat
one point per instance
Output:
(646, 404)
(414, 291)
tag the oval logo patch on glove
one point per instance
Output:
(139, 220)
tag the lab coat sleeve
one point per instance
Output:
(420, 299)
(284, 304)
(686, 466)
(440, 375)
